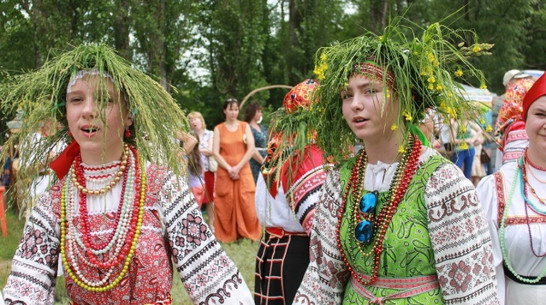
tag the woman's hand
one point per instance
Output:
(234, 172)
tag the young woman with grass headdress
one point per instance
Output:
(119, 211)
(397, 223)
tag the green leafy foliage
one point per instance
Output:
(205, 51)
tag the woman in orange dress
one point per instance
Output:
(234, 206)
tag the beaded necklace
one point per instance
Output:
(523, 187)
(531, 162)
(533, 174)
(125, 242)
(404, 173)
(117, 236)
(357, 193)
(527, 168)
(502, 229)
(115, 179)
(83, 202)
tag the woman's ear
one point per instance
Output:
(128, 121)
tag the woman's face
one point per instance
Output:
(536, 126)
(232, 112)
(365, 109)
(97, 133)
(257, 116)
(196, 124)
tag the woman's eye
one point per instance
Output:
(75, 99)
(346, 95)
(370, 91)
(103, 99)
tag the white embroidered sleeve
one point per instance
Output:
(488, 199)
(460, 238)
(208, 274)
(325, 279)
(34, 266)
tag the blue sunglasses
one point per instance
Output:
(364, 229)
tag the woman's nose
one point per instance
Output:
(89, 107)
(356, 103)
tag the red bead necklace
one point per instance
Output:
(531, 162)
(398, 189)
(526, 183)
(78, 170)
(84, 216)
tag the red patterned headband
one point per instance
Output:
(373, 70)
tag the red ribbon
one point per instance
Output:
(61, 164)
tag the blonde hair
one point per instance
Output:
(196, 114)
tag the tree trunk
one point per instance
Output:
(121, 29)
(39, 21)
(378, 15)
(294, 28)
(162, 46)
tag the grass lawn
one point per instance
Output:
(243, 253)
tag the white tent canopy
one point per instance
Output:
(534, 73)
(473, 94)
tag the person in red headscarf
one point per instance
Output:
(286, 206)
(514, 200)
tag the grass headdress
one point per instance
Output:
(422, 72)
(40, 96)
(290, 131)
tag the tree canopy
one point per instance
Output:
(205, 51)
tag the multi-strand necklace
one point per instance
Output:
(519, 176)
(119, 247)
(404, 173)
(526, 167)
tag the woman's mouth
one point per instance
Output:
(359, 120)
(89, 131)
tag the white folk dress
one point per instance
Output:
(517, 233)
(173, 231)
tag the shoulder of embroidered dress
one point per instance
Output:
(57, 187)
(332, 178)
(448, 171)
(154, 171)
(487, 183)
(447, 179)
(49, 200)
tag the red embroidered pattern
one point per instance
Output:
(499, 188)
(522, 220)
